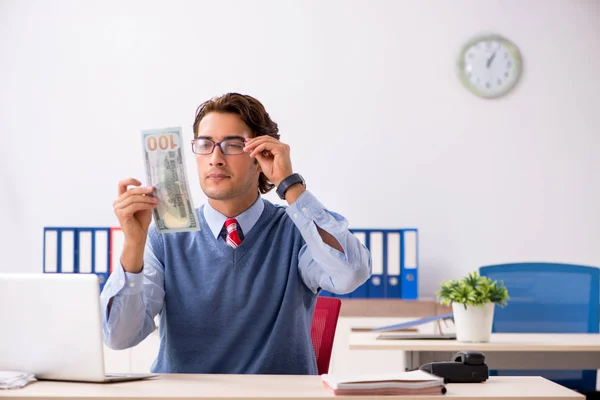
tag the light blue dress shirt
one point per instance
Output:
(320, 265)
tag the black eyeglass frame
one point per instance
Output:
(215, 144)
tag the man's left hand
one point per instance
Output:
(272, 155)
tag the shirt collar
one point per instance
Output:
(246, 220)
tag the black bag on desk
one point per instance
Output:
(465, 367)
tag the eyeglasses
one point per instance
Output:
(229, 147)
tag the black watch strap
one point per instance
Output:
(285, 184)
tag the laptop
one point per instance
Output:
(51, 327)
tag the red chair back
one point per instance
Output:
(322, 331)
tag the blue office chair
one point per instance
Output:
(549, 298)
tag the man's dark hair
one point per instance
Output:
(251, 111)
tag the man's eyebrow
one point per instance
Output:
(225, 138)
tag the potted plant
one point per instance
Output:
(473, 299)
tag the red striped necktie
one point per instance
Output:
(233, 238)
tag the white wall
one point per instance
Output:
(365, 92)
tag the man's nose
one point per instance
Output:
(217, 157)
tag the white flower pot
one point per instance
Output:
(473, 324)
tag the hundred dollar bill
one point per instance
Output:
(165, 171)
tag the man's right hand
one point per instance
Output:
(134, 208)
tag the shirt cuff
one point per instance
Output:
(306, 209)
(129, 283)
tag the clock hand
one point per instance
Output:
(489, 61)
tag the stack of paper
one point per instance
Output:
(406, 383)
(14, 379)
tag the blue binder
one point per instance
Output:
(394, 255)
(385, 248)
(59, 250)
(409, 267)
(374, 242)
(392, 245)
(77, 250)
(101, 254)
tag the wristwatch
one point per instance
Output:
(285, 184)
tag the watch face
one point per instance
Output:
(489, 66)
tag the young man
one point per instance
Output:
(237, 296)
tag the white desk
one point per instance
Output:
(504, 351)
(297, 387)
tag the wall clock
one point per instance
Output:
(489, 66)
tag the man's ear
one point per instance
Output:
(258, 167)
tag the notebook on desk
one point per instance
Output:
(404, 383)
(51, 327)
